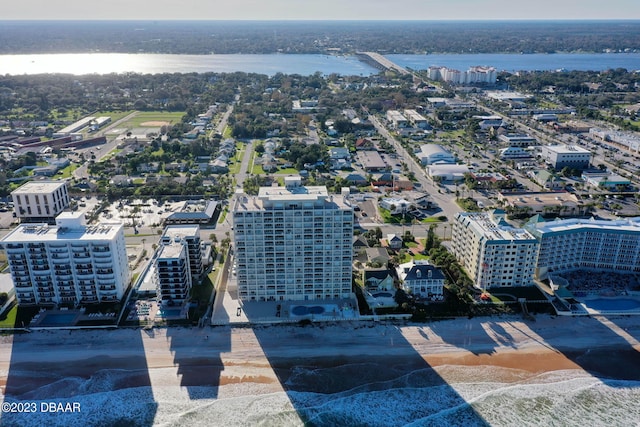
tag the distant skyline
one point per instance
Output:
(322, 10)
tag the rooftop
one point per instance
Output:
(50, 233)
(39, 187)
(289, 197)
(574, 224)
(492, 227)
(567, 149)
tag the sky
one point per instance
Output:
(320, 9)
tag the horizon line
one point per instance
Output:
(320, 20)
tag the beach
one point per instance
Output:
(481, 371)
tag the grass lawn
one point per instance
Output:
(452, 134)
(115, 115)
(256, 169)
(68, 171)
(8, 320)
(392, 219)
(223, 215)
(154, 116)
(227, 132)
(420, 257)
(286, 171)
(18, 317)
(430, 219)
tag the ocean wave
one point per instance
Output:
(462, 396)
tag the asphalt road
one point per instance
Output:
(105, 149)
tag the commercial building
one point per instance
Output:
(371, 161)
(560, 156)
(178, 265)
(396, 119)
(416, 119)
(625, 140)
(578, 244)
(494, 253)
(511, 153)
(69, 263)
(431, 154)
(605, 179)
(293, 243)
(518, 139)
(40, 201)
(447, 172)
(544, 203)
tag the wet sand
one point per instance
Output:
(269, 355)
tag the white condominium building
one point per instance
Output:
(493, 253)
(40, 201)
(573, 244)
(293, 243)
(560, 156)
(475, 74)
(70, 262)
(178, 264)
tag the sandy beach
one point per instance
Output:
(297, 366)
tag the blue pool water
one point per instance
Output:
(170, 312)
(302, 310)
(601, 304)
(58, 319)
(383, 295)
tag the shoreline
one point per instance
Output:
(269, 354)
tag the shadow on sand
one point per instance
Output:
(81, 373)
(369, 376)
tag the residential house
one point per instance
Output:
(377, 256)
(378, 279)
(394, 241)
(422, 279)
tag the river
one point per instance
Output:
(107, 63)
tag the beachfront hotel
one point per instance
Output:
(178, 264)
(493, 253)
(40, 201)
(67, 263)
(293, 243)
(579, 244)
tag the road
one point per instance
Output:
(82, 172)
(445, 201)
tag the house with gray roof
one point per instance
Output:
(422, 279)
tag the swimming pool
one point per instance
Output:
(383, 295)
(169, 312)
(614, 304)
(302, 310)
(59, 319)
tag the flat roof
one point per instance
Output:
(46, 233)
(566, 149)
(170, 251)
(483, 224)
(186, 230)
(573, 224)
(371, 160)
(39, 187)
(318, 195)
(542, 198)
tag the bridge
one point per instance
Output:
(380, 62)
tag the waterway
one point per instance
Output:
(107, 63)
(526, 62)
